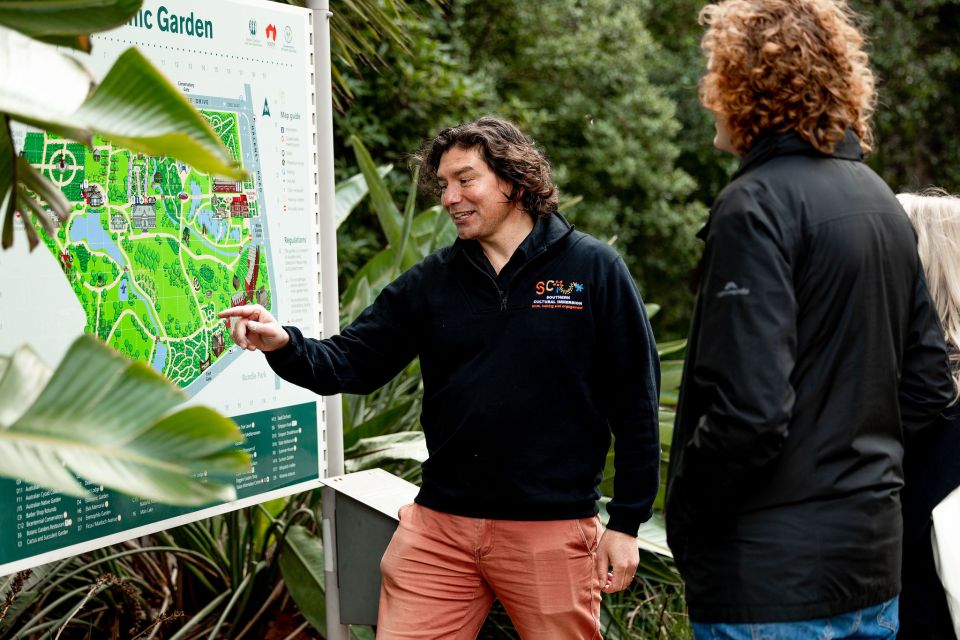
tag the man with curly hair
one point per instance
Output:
(814, 350)
(534, 347)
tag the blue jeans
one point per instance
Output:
(879, 622)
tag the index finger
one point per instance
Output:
(244, 311)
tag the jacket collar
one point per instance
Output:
(547, 231)
(773, 145)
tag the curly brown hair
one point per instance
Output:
(511, 155)
(782, 65)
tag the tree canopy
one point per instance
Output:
(609, 90)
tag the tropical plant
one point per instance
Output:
(225, 577)
(384, 426)
(120, 435)
(134, 106)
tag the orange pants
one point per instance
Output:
(441, 573)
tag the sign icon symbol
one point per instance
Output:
(271, 32)
(253, 27)
(288, 34)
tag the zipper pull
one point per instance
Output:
(503, 299)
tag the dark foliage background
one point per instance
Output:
(609, 89)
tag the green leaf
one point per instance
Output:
(405, 259)
(358, 632)
(33, 180)
(378, 424)
(387, 213)
(66, 17)
(442, 233)
(673, 346)
(136, 107)
(26, 206)
(22, 378)
(263, 515)
(391, 221)
(212, 607)
(301, 564)
(671, 374)
(67, 82)
(371, 452)
(78, 42)
(31, 585)
(105, 419)
(666, 419)
(370, 279)
(7, 183)
(33, 238)
(351, 191)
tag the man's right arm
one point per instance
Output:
(368, 353)
(926, 387)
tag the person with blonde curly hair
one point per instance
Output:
(814, 345)
(931, 465)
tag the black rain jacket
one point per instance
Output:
(525, 375)
(814, 346)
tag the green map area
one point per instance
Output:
(153, 249)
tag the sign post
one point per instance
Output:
(152, 249)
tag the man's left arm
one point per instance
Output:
(631, 370)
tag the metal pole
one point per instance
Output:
(330, 306)
(330, 303)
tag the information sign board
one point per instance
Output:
(153, 249)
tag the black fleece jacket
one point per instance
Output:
(526, 373)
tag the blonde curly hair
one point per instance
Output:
(787, 65)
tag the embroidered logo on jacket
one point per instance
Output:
(732, 289)
(557, 294)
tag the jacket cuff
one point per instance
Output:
(627, 523)
(288, 352)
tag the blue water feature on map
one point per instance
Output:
(159, 358)
(86, 226)
(204, 218)
(235, 235)
(124, 290)
(215, 227)
(149, 307)
(195, 201)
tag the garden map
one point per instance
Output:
(152, 249)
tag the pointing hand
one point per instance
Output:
(253, 328)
